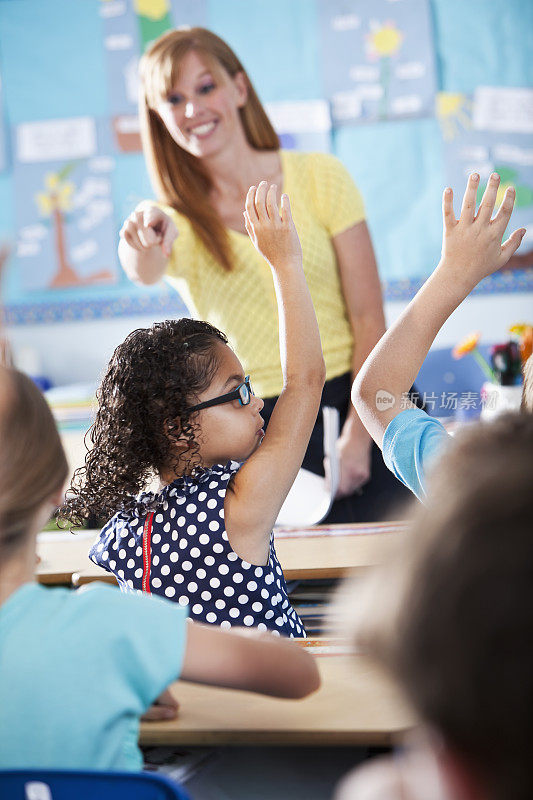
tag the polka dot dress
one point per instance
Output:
(192, 562)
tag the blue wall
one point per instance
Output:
(53, 65)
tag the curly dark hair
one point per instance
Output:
(152, 379)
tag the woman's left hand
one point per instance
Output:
(355, 464)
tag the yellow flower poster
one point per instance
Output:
(378, 59)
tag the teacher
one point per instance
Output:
(207, 139)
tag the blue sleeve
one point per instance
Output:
(411, 442)
(142, 638)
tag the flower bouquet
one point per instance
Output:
(502, 391)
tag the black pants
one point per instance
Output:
(383, 497)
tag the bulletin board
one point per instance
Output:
(410, 94)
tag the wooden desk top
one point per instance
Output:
(356, 705)
(62, 554)
(334, 550)
(326, 552)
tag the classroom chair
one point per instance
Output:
(27, 784)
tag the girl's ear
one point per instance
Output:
(240, 82)
(173, 432)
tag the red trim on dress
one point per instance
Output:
(147, 552)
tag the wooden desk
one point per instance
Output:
(62, 554)
(331, 551)
(326, 552)
(356, 705)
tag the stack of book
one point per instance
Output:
(311, 600)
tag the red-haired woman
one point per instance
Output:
(207, 139)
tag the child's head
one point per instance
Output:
(458, 624)
(33, 467)
(146, 426)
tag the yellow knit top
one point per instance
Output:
(242, 303)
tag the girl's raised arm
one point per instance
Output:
(471, 250)
(263, 482)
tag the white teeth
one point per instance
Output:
(203, 129)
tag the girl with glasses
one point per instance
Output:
(54, 643)
(175, 404)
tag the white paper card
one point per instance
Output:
(503, 109)
(56, 140)
(300, 116)
(310, 497)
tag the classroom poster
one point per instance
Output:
(378, 59)
(63, 205)
(129, 28)
(302, 125)
(477, 137)
(3, 153)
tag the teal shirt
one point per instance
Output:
(78, 669)
(411, 442)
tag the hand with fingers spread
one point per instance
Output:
(270, 228)
(472, 249)
(472, 245)
(147, 228)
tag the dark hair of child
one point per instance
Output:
(143, 425)
(455, 624)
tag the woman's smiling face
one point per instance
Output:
(201, 112)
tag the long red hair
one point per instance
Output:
(178, 178)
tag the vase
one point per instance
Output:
(497, 399)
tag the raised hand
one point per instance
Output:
(149, 228)
(472, 245)
(271, 229)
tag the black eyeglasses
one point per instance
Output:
(242, 393)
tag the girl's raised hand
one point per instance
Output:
(149, 227)
(270, 228)
(472, 245)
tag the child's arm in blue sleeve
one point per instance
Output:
(411, 442)
(472, 249)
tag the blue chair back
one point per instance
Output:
(40, 784)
